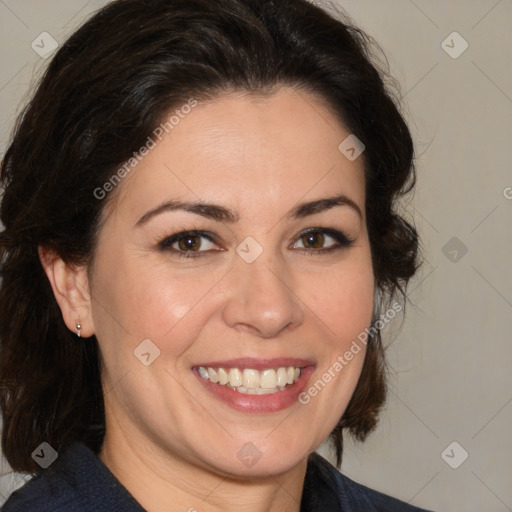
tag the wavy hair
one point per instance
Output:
(103, 93)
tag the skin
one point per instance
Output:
(169, 441)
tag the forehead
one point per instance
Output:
(279, 148)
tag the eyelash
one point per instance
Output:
(343, 241)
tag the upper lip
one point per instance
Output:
(258, 364)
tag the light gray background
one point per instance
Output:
(451, 360)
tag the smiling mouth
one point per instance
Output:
(250, 381)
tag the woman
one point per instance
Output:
(200, 237)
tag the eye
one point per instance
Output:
(186, 243)
(322, 240)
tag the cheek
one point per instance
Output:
(138, 299)
(341, 309)
(343, 299)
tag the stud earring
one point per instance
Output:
(79, 330)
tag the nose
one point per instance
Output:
(261, 298)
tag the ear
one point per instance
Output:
(70, 285)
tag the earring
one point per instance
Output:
(79, 329)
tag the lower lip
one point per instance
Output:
(272, 402)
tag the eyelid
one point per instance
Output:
(168, 241)
(342, 241)
(340, 237)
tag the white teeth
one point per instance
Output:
(212, 374)
(251, 381)
(269, 379)
(282, 377)
(223, 376)
(259, 391)
(235, 377)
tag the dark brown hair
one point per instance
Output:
(104, 92)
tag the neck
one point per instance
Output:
(167, 482)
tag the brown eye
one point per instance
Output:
(313, 240)
(189, 243)
(322, 241)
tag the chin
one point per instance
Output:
(261, 459)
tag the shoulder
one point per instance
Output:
(77, 481)
(351, 496)
(381, 502)
(37, 498)
(42, 493)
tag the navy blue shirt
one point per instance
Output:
(78, 481)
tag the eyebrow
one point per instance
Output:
(223, 214)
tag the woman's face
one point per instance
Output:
(250, 289)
